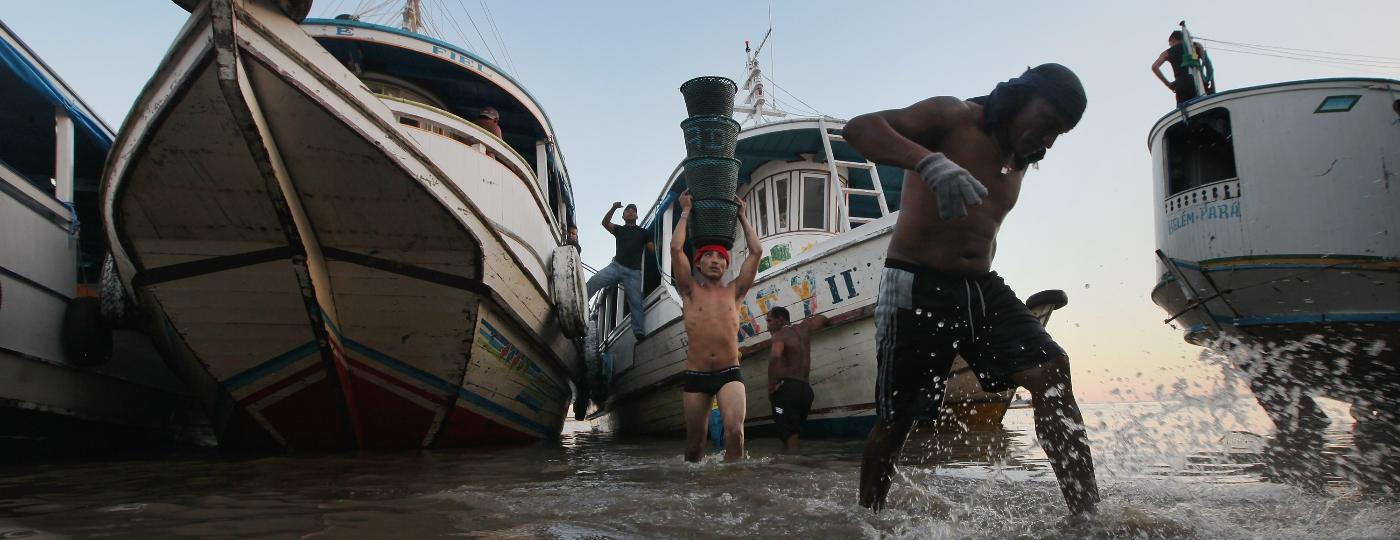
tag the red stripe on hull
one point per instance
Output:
(388, 420)
(310, 419)
(467, 428)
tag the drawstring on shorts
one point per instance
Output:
(971, 326)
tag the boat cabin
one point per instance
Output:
(798, 199)
(439, 88)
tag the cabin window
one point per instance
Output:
(814, 202)
(761, 198)
(408, 121)
(1337, 104)
(780, 193)
(1200, 152)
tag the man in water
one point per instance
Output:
(1182, 84)
(626, 266)
(789, 364)
(710, 310)
(938, 296)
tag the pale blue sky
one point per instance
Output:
(607, 73)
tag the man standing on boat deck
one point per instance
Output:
(1182, 84)
(626, 266)
(789, 364)
(710, 310)
(938, 296)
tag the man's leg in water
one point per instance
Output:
(732, 406)
(1060, 428)
(697, 414)
(877, 466)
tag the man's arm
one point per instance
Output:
(906, 137)
(1156, 69)
(775, 360)
(750, 268)
(900, 136)
(816, 321)
(607, 219)
(680, 265)
(651, 246)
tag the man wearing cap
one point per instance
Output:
(710, 310)
(938, 296)
(490, 120)
(626, 265)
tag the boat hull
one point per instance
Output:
(838, 278)
(322, 281)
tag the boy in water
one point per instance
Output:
(710, 310)
(938, 296)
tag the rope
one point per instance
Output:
(478, 31)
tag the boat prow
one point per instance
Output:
(326, 273)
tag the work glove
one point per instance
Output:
(955, 187)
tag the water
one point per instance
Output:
(1168, 469)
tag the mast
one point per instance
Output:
(756, 106)
(1192, 61)
(412, 16)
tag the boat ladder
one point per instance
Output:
(830, 135)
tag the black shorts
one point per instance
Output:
(791, 400)
(924, 319)
(1185, 90)
(709, 382)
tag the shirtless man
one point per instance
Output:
(789, 364)
(938, 296)
(710, 309)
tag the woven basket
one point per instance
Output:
(712, 177)
(709, 96)
(712, 222)
(710, 135)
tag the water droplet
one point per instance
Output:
(919, 311)
(940, 325)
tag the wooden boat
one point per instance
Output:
(1276, 237)
(824, 216)
(73, 378)
(336, 257)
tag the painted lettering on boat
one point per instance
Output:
(1209, 212)
(462, 59)
(804, 286)
(533, 394)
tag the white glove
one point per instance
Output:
(955, 187)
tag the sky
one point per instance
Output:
(607, 74)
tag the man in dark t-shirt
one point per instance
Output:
(626, 266)
(1182, 83)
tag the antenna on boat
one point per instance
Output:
(413, 16)
(1192, 61)
(756, 106)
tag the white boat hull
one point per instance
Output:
(324, 281)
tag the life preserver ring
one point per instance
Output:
(567, 288)
(87, 339)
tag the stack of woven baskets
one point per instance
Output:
(711, 172)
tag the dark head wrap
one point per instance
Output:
(1054, 82)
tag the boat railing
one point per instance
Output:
(464, 131)
(38, 200)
